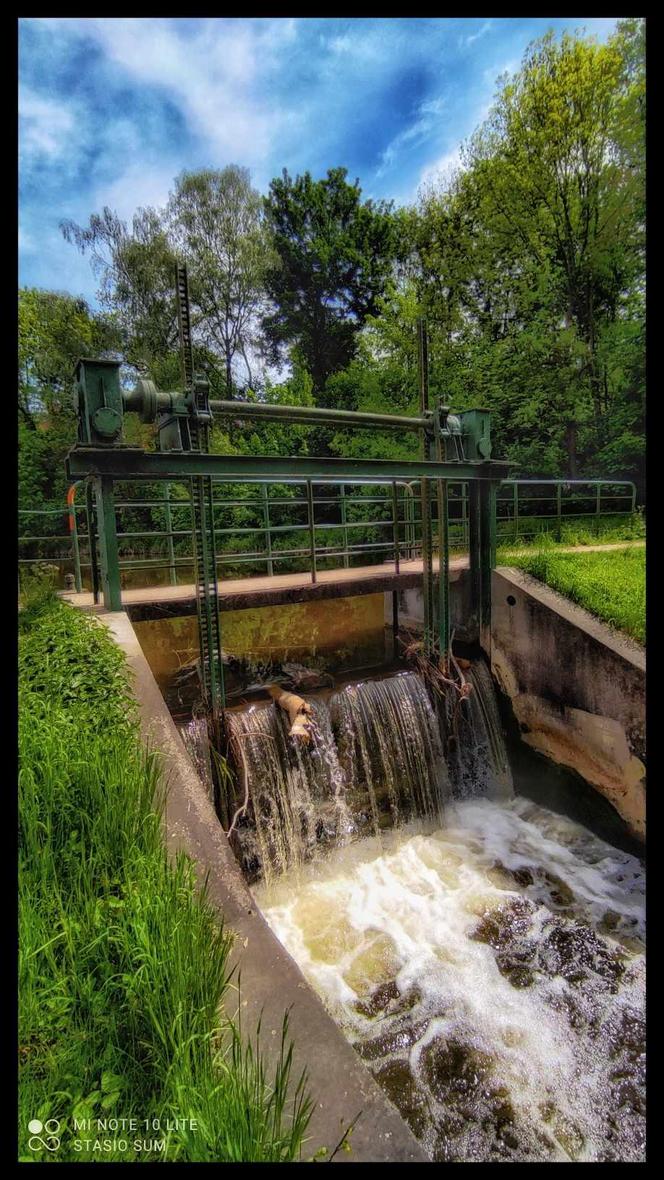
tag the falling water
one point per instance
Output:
(476, 752)
(376, 760)
(390, 750)
(296, 792)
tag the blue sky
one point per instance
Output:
(111, 110)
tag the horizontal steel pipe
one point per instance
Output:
(317, 415)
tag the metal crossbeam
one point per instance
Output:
(131, 463)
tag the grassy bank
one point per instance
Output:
(610, 585)
(122, 963)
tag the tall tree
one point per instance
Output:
(335, 254)
(54, 330)
(216, 223)
(531, 261)
(557, 185)
(136, 267)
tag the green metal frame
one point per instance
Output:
(454, 448)
(125, 463)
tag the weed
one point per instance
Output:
(123, 964)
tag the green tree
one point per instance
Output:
(335, 255)
(556, 184)
(54, 330)
(137, 271)
(215, 222)
(531, 262)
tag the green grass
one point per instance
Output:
(123, 965)
(610, 585)
(584, 530)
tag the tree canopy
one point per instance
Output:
(334, 255)
(528, 263)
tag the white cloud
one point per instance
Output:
(213, 74)
(46, 125)
(441, 168)
(136, 187)
(469, 40)
(418, 131)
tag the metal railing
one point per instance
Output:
(392, 535)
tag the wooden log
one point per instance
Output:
(299, 711)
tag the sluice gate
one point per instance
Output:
(454, 447)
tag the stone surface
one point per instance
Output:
(577, 688)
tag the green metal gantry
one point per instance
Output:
(454, 447)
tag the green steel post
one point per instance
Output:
(108, 544)
(410, 521)
(92, 541)
(559, 510)
(598, 508)
(312, 529)
(474, 555)
(427, 567)
(516, 510)
(443, 604)
(487, 504)
(427, 539)
(395, 525)
(78, 582)
(169, 530)
(266, 522)
(206, 578)
(344, 523)
(73, 529)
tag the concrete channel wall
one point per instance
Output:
(411, 603)
(271, 983)
(576, 687)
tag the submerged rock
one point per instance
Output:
(397, 1080)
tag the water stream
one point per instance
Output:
(484, 954)
(490, 974)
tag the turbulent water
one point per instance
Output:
(484, 955)
(491, 975)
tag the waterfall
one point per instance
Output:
(297, 792)
(390, 750)
(476, 753)
(379, 757)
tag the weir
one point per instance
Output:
(483, 954)
(381, 755)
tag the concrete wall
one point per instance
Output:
(271, 981)
(411, 604)
(577, 688)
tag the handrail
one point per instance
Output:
(513, 520)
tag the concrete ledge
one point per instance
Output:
(576, 686)
(271, 981)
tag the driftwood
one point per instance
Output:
(299, 712)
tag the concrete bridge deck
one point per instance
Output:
(158, 602)
(153, 602)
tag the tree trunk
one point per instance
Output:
(570, 443)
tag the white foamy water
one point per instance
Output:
(491, 974)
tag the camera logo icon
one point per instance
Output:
(50, 1128)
